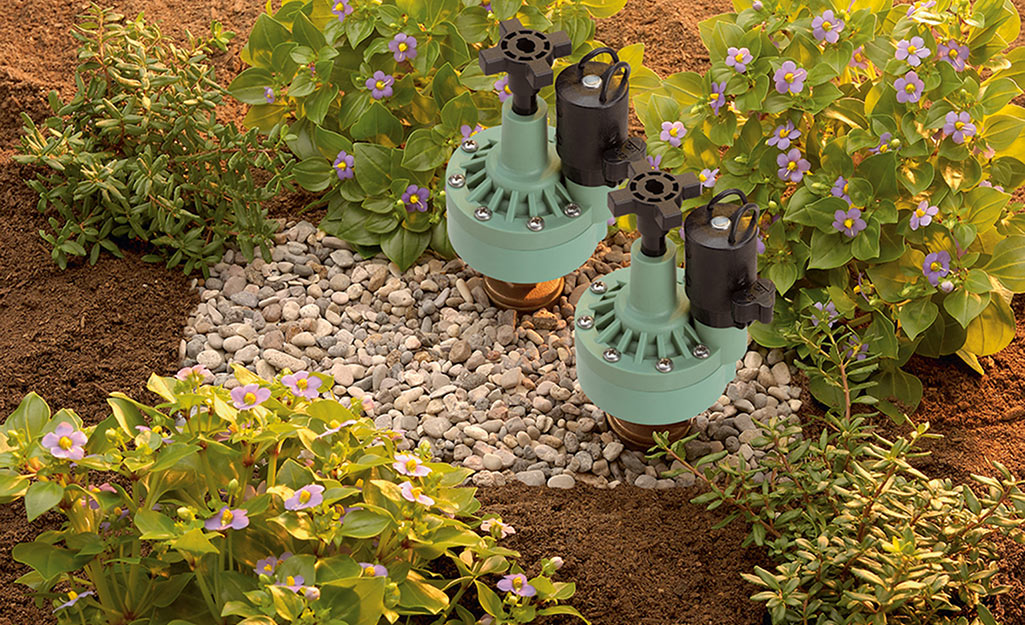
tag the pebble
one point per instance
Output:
(492, 390)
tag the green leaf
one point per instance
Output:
(489, 600)
(404, 246)
(29, 418)
(965, 306)
(1008, 263)
(917, 315)
(425, 150)
(314, 173)
(418, 594)
(364, 524)
(41, 497)
(194, 543)
(828, 251)
(154, 526)
(318, 105)
(48, 560)
(991, 331)
(458, 112)
(373, 167)
(249, 86)
(376, 124)
(171, 455)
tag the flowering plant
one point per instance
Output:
(272, 503)
(377, 95)
(138, 154)
(882, 145)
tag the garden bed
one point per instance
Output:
(79, 334)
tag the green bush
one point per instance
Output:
(139, 154)
(883, 147)
(268, 504)
(859, 535)
(378, 95)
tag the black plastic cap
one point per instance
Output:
(527, 56)
(655, 197)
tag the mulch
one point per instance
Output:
(638, 557)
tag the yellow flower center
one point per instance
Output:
(302, 384)
(226, 517)
(919, 212)
(403, 47)
(959, 125)
(673, 131)
(702, 177)
(414, 199)
(268, 568)
(340, 6)
(369, 570)
(714, 96)
(884, 148)
(290, 581)
(416, 492)
(411, 464)
(342, 165)
(791, 166)
(304, 496)
(72, 595)
(953, 53)
(910, 87)
(249, 398)
(517, 583)
(783, 132)
(911, 49)
(789, 77)
(845, 186)
(507, 90)
(380, 85)
(65, 443)
(859, 57)
(848, 223)
(827, 26)
(935, 266)
(739, 58)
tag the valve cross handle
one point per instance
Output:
(527, 56)
(655, 197)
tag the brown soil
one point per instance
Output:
(637, 556)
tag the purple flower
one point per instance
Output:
(707, 177)
(913, 51)
(858, 59)
(760, 246)
(718, 96)
(227, 519)
(655, 161)
(850, 223)
(504, 529)
(302, 385)
(311, 592)
(66, 442)
(268, 565)
(918, 6)
(468, 132)
(738, 58)
(909, 88)
(344, 164)
(959, 125)
(840, 187)
(856, 350)
(91, 500)
(826, 313)
(404, 47)
(954, 53)
(368, 569)
(306, 497)
(946, 286)
(923, 215)
(415, 198)
(757, 5)
(73, 598)
(790, 78)
(415, 494)
(936, 265)
(673, 132)
(335, 426)
(792, 166)
(198, 371)
(292, 582)
(342, 10)
(408, 464)
(827, 27)
(249, 396)
(783, 135)
(987, 183)
(517, 584)
(268, 95)
(502, 87)
(884, 144)
(380, 85)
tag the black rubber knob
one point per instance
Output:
(655, 197)
(527, 56)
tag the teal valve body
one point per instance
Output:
(512, 215)
(640, 356)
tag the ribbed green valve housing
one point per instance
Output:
(513, 213)
(641, 355)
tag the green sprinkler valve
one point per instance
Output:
(526, 200)
(655, 346)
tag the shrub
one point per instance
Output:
(139, 154)
(883, 147)
(860, 536)
(378, 95)
(264, 505)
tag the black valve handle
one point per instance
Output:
(655, 197)
(527, 56)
